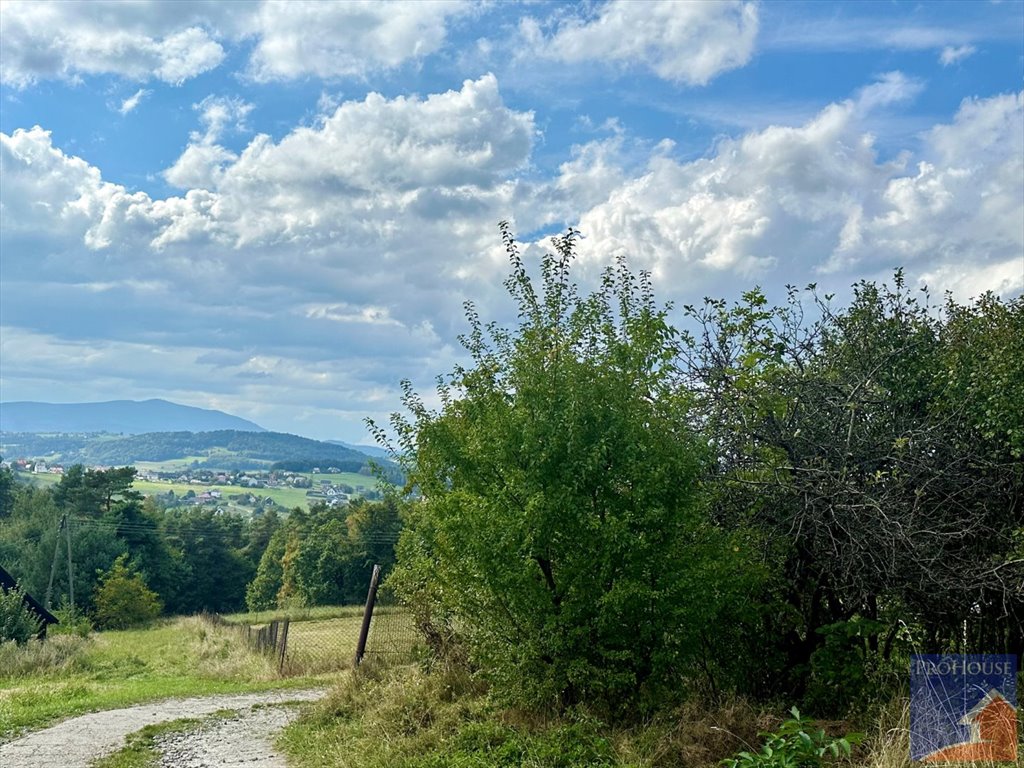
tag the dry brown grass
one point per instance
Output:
(694, 736)
(223, 654)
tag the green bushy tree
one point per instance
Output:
(560, 527)
(122, 598)
(261, 593)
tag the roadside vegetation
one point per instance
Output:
(68, 674)
(413, 717)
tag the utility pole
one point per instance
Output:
(65, 528)
(71, 570)
(53, 565)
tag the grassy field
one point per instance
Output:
(68, 675)
(356, 480)
(286, 497)
(172, 465)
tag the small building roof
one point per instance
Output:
(8, 583)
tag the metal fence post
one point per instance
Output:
(364, 631)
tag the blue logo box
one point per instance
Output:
(963, 708)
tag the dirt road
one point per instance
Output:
(244, 738)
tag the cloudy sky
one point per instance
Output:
(278, 208)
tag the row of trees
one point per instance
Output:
(325, 556)
(191, 560)
(775, 500)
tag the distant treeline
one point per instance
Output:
(194, 559)
(30, 444)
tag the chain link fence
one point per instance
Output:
(325, 638)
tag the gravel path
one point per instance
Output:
(245, 739)
(76, 742)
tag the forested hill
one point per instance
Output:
(223, 449)
(129, 417)
(370, 450)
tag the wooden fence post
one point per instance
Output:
(364, 631)
(284, 646)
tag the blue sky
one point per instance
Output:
(277, 209)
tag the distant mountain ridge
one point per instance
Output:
(131, 417)
(370, 450)
(221, 449)
(123, 432)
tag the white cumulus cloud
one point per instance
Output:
(175, 41)
(815, 200)
(379, 204)
(66, 40)
(203, 161)
(329, 39)
(958, 217)
(685, 42)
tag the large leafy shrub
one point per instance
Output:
(561, 531)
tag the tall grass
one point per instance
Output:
(405, 717)
(58, 654)
(888, 746)
(222, 654)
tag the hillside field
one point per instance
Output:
(284, 496)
